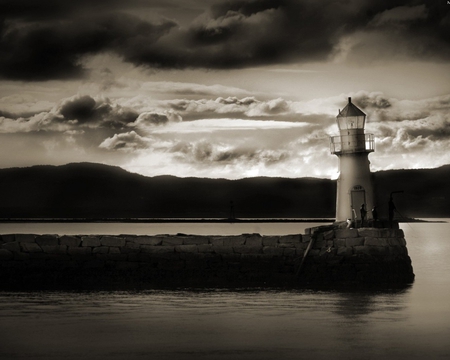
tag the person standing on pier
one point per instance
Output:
(391, 208)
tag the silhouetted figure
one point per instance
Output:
(363, 212)
(374, 213)
(232, 216)
(349, 223)
(391, 208)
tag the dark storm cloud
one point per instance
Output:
(48, 40)
(54, 49)
(86, 110)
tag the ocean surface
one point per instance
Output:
(410, 323)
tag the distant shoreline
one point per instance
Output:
(186, 220)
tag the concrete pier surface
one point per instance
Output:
(324, 255)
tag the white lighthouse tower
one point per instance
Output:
(352, 147)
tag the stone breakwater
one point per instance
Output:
(323, 255)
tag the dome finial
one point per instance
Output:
(349, 100)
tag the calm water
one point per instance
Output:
(155, 228)
(259, 324)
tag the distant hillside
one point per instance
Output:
(86, 190)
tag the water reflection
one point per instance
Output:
(357, 305)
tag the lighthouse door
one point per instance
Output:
(357, 198)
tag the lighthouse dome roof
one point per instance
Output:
(350, 110)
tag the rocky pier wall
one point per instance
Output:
(322, 256)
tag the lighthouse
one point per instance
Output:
(352, 147)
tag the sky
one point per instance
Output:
(222, 89)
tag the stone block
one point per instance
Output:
(290, 239)
(233, 240)
(299, 252)
(402, 241)
(172, 241)
(70, 241)
(145, 257)
(250, 257)
(247, 249)
(91, 241)
(289, 252)
(370, 232)
(100, 250)
(147, 240)
(253, 241)
(116, 257)
(186, 248)
(230, 258)
(334, 260)
(354, 241)
(150, 249)
(340, 243)
(25, 238)
(270, 240)
(112, 241)
(398, 233)
(395, 251)
(226, 249)
(371, 250)
(216, 241)
(196, 240)
(207, 248)
(319, 244)
(344, 251)
(94, 264)
(328, 235)
(114, 250)
(42, 256)
(9, 238)
(30, 247)
(273, 250)
(129, 246)
(125, 265)
(133, 257)
(301, 246)
(21, 256)
(346, 233)
(12, 246)
(6, 255)
(314, 252)
(372, 241)
(306, 238)
(54, 249)
(79, 250)
(172, 265)
(47, 240)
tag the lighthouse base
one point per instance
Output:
(357, 256)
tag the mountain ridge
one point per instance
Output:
(91, 190)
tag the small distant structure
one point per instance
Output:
(232, 214)
(352, 147)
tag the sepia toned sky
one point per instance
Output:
(222, 89)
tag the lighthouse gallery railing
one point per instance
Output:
(339, 144)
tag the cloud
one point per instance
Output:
(400, 14)
(85, 110)
(79, 111)
(53, 49)
(129, 141)
(148, 121)
(246, 137)
(53, 40)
